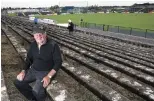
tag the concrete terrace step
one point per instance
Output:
(114, 43)
(90, 80)
(79, 70)
(115, 37)
(4, 94)
(102, 47)
(120, 36)
(10, 70)
(65, 88)
(133, 84)
(99, 39)
(112, 46)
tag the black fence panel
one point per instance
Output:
(125, 30)
(119, 29)
(149, 34)
(113, 29)
(138, 32)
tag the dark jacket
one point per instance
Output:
(70, 26)
(45, 59)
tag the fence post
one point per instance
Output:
(130, 31)
(118, 29)
(87, 25)
(107, 27)
(75, 27)
(80, 24)
(146, 33)
(103, 27)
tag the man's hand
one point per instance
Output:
(46, 81)
(21, 75)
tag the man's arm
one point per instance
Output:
(29, 60)
(51, 73)
(57, 60)
(57, 64)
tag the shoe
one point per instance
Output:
(48, 98)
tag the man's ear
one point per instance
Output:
(34, 36)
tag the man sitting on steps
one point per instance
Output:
(42, 62)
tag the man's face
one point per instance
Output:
(40, 38)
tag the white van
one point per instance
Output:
(49, 21)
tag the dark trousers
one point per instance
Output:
(36, 92)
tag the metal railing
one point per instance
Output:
(147, 33)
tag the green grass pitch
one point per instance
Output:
(142, 21)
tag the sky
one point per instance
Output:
(48, 3)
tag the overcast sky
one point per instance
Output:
(48, 3)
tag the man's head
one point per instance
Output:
(39, 34)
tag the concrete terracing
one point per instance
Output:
(94, 68)
(4, 94)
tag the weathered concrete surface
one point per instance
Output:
(86, 63)
(4, 94)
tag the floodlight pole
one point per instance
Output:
(59, 3)
(87, 6)
(87, 3)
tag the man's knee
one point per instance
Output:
(38, 87)
(18, 83)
